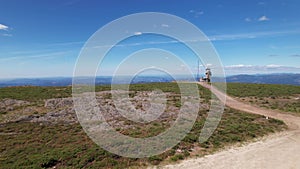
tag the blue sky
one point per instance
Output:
(44, 38)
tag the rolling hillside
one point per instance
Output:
(291, 79)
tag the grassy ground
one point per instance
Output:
(261, 90)
(38, 145)
(280, 97)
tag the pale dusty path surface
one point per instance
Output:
(278, 151)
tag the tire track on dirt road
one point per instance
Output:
(277, 151)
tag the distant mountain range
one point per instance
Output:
(67, 81)
(291, 79)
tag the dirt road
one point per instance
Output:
(281, 150)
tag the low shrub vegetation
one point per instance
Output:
(277, 97)
(42, 145)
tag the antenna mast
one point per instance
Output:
(198, 71)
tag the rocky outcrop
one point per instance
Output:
(139, 107)
(60, 111)
(59, 103)
(67, 116)
(11, 104)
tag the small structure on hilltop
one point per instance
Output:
(207, 77)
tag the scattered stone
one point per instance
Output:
(178, 151)
(62, 110)
(11, 104)
(58, 103)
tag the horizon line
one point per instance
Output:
(150, 75)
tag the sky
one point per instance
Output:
(44, 38)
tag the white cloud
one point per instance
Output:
(238, 66)
(35, 56)
(138, 33)
(196, 13)
(3, 27)
(273, 66)
(263, 18)
(248, 19)
(222, 37)
(209, 65)
(200, 13)
(6, 34)
(264, 69)
(252, 35)
(232, 36)
(67, 43)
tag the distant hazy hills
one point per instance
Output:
(67, 81)
(292, 79)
